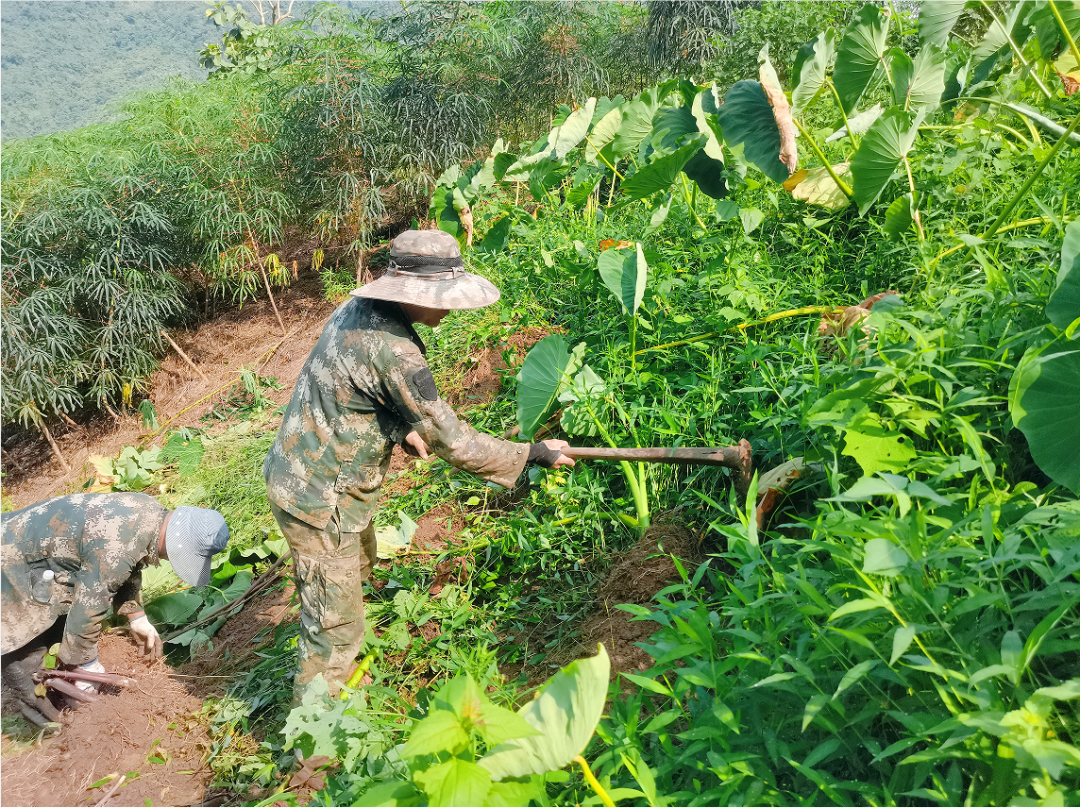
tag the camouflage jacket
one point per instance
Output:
(95, 545)
(365, 385)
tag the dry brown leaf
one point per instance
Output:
(610, 243)
(789, 152)
(838, 323)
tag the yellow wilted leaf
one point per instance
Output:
(1069, 71)
(818, 187)
(794, 179)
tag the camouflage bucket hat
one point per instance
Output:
(426, 269)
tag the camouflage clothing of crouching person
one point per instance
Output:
(365, 387)
(80, 556)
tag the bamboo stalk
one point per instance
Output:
(183, 355)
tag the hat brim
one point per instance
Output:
(467, 291)
(191, 566)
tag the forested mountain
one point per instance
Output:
(65, 63)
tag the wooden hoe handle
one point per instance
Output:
(727, 456)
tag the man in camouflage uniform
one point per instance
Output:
(366, 387)
(78, 556)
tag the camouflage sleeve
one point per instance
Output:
(128, 597)
(92, 598)
(409, 388)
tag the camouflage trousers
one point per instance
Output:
(330, 568)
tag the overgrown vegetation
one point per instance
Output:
(900, 625)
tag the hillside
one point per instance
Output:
(98, 53)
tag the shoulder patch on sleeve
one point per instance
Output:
(424, 383)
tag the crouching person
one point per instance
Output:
(77, 557)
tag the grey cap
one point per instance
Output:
(427, 270)
(192, 537)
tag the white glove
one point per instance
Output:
(146, 636)
(93, 667)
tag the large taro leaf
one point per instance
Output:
(567, 135)
(625, 273)
(704, 108)
(857, 124)
(1042, 400)
(1064, 305)
(543, 376)
(936, 20)
(661, 173)
(636, 123)
(811, 65)
(858, 55)
(817, 187)
(708, 173)
(603, 133)
(789, 152)
(566, 711)
(670, 126)
(444, 212)
(746, 118)
(174, 609)
(922, 94)
(880, 152)
(898, 217)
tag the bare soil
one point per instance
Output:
(482, 372)
(245, 336)
(637, 575)
(148, 732)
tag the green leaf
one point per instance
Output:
(1042, 397)
(878, 450)
(751, 219)
(814, 706)
(861, 605)
(1064, 305)
(569, 133)
(853, 676)
(566, 711)
(543, 375)
(883, 557)
(1012, 655)
(455, 782)
(902, 640)
(635, 126)
(603, 133)
(704, 109)
(498, 725)
(174, 609)
(898, 217)
(625, 273)
(661, 173)
(810, 69)
(746, 118)
(922, 93)
(440, 731)
(659, 216)
(859, 55)
(670, 126)
(497, 236)
(936, 20)
(708, 173)
(445, 214)
(882, 148)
